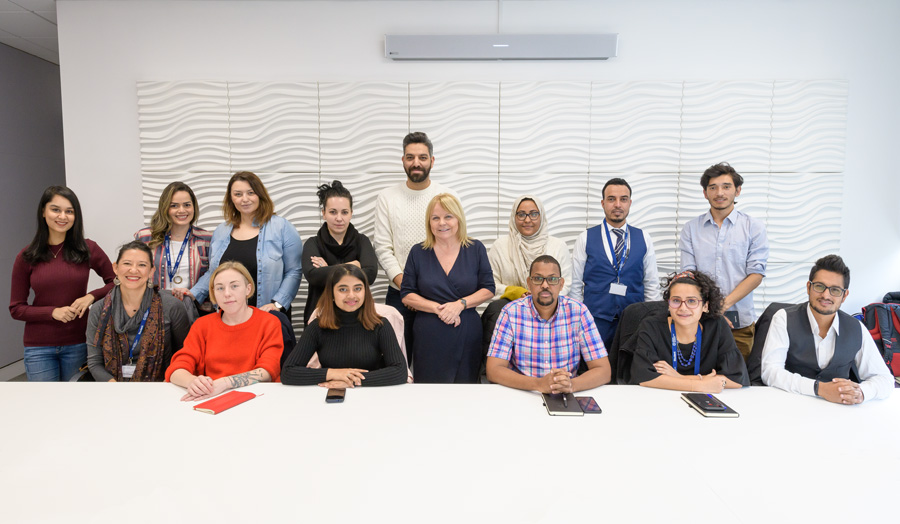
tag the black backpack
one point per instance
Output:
(882, 319)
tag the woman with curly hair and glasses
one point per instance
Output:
(692, 348)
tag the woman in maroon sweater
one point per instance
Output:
(56, 266)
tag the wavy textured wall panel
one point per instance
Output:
(784, 282)
(805, 216)
(183, 126)
(635, 127)
(362, 126)
(495, 141)
(274, 127)
(809, 122)
(478, 194)
(544, 127)
(462, 120)
(726, 121)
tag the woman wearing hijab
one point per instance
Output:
(511, 256)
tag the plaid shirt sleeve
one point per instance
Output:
(589, 341)
(502, 341)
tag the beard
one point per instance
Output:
(416, 178)
(822, 311)
(542, 301)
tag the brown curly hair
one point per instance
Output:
(709, 291)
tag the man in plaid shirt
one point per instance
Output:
(541, 338)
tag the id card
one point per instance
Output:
(128, 370)
(618, 289)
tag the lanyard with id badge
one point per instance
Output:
(617, 288)
(173, 278)
(128, 369)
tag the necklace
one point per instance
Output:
(57, 251)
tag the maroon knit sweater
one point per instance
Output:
(56, 283)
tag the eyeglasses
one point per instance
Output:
(691, 303)
(553, 281)
(534, 215)
(835, 291)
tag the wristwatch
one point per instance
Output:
(465, 305)
(816, 388)
(279, 306)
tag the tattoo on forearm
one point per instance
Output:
(245, 379)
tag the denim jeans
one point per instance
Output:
(54, 363)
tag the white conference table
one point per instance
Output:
(422, 453)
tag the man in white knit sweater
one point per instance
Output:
(400, 219)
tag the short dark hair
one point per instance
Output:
(544, 259)
(722, 168)
(709, 291)
(336, 189)
(138, 246)
(418, 137)
(615, 182)
(832, 263)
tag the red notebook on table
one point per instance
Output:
(224, 401)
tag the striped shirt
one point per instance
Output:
(534, 346)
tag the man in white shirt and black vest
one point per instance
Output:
(613, 264)
(816, 349)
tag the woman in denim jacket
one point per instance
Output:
(266, 244)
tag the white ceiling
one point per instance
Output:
(30, 25)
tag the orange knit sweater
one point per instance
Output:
(215, 349)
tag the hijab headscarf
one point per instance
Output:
(523, 250)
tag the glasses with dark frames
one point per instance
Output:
(835, 291)
(534, 215)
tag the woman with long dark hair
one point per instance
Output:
(337, 242)
(180, 248)
(133, 333)
(355, 346)
(56, 266)
(692, 348)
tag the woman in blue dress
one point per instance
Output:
(445, 278)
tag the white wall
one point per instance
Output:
(106, 47)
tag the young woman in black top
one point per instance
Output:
(691, 349)
(356, 347)
(337, 242)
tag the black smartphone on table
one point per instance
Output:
(335, 395)
(589, 405)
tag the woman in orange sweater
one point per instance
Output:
(239, 346)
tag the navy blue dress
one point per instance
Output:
(443, 353)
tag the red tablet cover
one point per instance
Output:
(224, 401)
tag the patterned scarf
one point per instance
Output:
(112, 327)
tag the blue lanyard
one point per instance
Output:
(678, 360)
(137, 338)
(184, 244)
(617, 264)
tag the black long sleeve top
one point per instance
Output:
(349, 346)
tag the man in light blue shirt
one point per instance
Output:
(731, 247)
